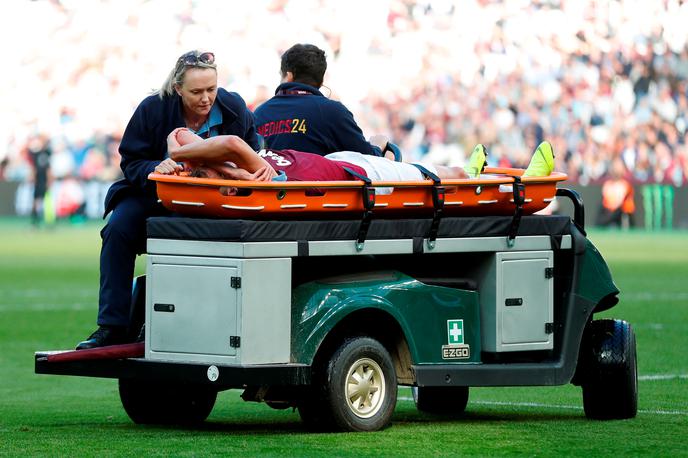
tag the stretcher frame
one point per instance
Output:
(492, 194)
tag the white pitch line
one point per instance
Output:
(555, 406)
(50, 294)
(662, 377)
(45, 307)
(654, 296)
(526, 404)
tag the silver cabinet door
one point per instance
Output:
(194, 309)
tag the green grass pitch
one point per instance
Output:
(48, 294)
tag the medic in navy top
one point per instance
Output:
(301, 118)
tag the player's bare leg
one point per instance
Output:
(445, 172)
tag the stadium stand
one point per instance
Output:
(600, 80)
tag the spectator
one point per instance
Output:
(427, 74)
(4, 162)
(618, 204)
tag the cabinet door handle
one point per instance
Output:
(513, 301)
(163, 307)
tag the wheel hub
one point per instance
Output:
(365, 388)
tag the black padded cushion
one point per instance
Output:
(184, 228)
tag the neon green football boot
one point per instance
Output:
(477, 162)
(542, 162)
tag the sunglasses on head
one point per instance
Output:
(190, 58)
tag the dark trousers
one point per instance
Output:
(124, 237)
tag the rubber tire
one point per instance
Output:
(610, 379)
(441, 400)
(162, 403)
(328, 408)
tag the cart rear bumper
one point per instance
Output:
(219, 376)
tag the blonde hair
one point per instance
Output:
(176, 76)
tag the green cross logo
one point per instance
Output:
(455, 332)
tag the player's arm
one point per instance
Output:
(215, 149)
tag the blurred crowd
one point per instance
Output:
(605, 82)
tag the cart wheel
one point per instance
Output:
(358, 391)
(610, 379)
(442, 400)
(149, 402)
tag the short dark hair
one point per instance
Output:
(306, 62)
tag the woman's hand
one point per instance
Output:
(168, 167)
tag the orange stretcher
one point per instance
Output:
(493, 193)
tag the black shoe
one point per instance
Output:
(104, 336)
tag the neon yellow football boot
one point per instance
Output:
(477, 162)
(542, 162)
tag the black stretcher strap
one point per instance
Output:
(302, 248)
(519, 190)
(368, 205)
(438, 194)
(418, 245)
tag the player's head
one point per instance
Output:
(205, 172)
(226, 172)
(306, 63)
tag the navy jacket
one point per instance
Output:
(301, 118)
(144, 143)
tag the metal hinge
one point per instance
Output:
(235, 282)
(549, 328)
(234, 341)
(549, 272)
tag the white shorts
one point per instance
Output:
(382, 169)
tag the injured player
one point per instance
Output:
(229, 157)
